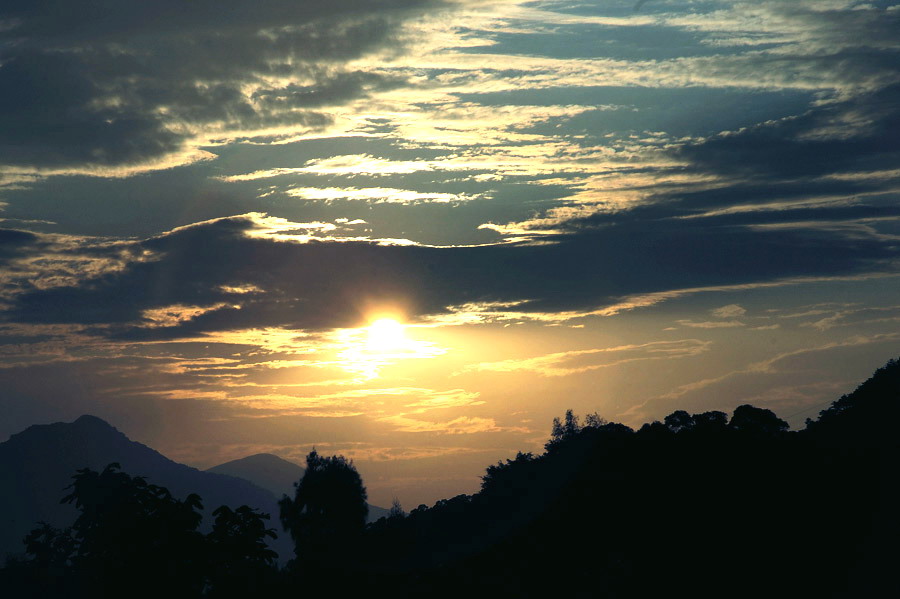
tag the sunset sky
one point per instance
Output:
(611, 206)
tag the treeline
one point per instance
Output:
(704, 504)
(132, 538)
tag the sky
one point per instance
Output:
(413, 232)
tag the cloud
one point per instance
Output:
(167, 316)
(775, 378)
(13, 242)
(837, 137)
(270, 400)
(350, 165)
(853, 317)
(631, 217)
(714, 324)
(729, 311)
(579, 361)
(301, 277)
(769, 366)
(464, 425)
(130, 86)
(376, 195)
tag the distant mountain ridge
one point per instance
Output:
(265, 470)
(37, 464)
(276, 475)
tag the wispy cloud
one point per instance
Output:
(768, 366)
(580, 361)
(464, 425)
(376, 194)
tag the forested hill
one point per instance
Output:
(705, 504)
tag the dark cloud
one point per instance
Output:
(324, 284)
(47, 118)
(13, 242)
(858, 134)
(108, 84)
(125, 83)
(336, 89)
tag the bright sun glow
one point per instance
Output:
(367, 349)
(386, 335)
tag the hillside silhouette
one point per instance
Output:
(702, 505)
(707, 504)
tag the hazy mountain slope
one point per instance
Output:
(265, 470)
(37, 464)
(276, 475)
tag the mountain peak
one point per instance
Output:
(84, 428)
(92, 421)
(265, 470)
(262, 459)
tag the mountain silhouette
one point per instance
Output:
(37, 465)
(276, 475)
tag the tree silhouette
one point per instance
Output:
(328, 511)
(134, 538)
(563, 429)
(240, 560)
(50, 548)
(396, 511)
(750, 419)
(132, 533)
(47, 572)
(678, 421)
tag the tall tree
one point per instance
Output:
(328, 511)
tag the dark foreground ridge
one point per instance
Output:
(699, 505)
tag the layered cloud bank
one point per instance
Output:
(255, 271)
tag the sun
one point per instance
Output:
(384, 342)
(386, 335)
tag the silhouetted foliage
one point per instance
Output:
(678, 421)
(869, 415)
(396, 510)
(240, 560)
(758, 421)
(132, 538)
(50, 548)
(47, 570)
(563, 429)
(129, 530)
(699, 503)
(327, 513)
